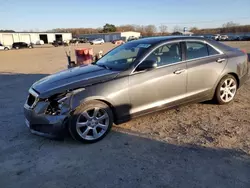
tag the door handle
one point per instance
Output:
(179, 71)
(220, 60)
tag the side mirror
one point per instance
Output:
(147, 65)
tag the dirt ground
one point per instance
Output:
(198, 145)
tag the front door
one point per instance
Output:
(204, 66)
(162, 85)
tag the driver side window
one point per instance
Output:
(166, 54)
(125, 55)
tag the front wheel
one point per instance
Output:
(226, 90)
(91, 122)
(6, 48)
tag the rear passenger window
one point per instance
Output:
(196, 50)
(212, 51)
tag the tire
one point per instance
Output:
(30, 47)
(16, 47)
(226, 90)
(84, 126)
(6, 48)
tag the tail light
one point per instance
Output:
(244, 51)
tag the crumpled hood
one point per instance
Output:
(71, 79)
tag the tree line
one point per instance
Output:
(7, 31)
(152, 30)
(145, 30)
(229, 27)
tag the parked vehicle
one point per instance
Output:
(83, 40)
(97, 41)
(136, 78)
(132, 38)
(79, 40)
(223, 37)
(119, 42)
(216, 37)
(2, 47)
(40, 42)
(245, 38)
(18, 45)
(57, 43)
(233, 38)
(238, 38)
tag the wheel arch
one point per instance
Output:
(235, 76)
(111, 106)
(222, 76)
(100, 99)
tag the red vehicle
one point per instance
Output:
(118, 42)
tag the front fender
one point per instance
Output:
(114, 93)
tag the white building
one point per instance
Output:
(109, 37)
(33, 37)
(186, 33)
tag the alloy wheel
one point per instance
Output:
(92, 123)
(228, 90)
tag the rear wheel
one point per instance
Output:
(6, 48)
(16, 47)
(226, 90)
(91, 122)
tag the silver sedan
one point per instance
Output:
(133, 79)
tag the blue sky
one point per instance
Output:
(47, 14)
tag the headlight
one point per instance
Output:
(57, 103)
(60, 103)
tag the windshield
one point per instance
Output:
(123, 56)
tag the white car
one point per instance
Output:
(223, 37)
(2, 47)
(40, 42)
(216, 37)
(97, 41)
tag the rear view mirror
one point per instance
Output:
(147, 65)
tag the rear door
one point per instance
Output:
(205, 64)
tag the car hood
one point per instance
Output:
(73, 78)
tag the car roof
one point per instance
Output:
(163, 39)
(168, 38)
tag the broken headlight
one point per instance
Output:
(57, 102)
(60, 103)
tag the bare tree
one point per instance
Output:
(140, 28)
(150, 30)
(163, 29)
(125, 28)
(194, 30)
(230, 24)
(177, 28)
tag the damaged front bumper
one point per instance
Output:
(41, 123)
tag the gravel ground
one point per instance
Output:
(198, 145)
